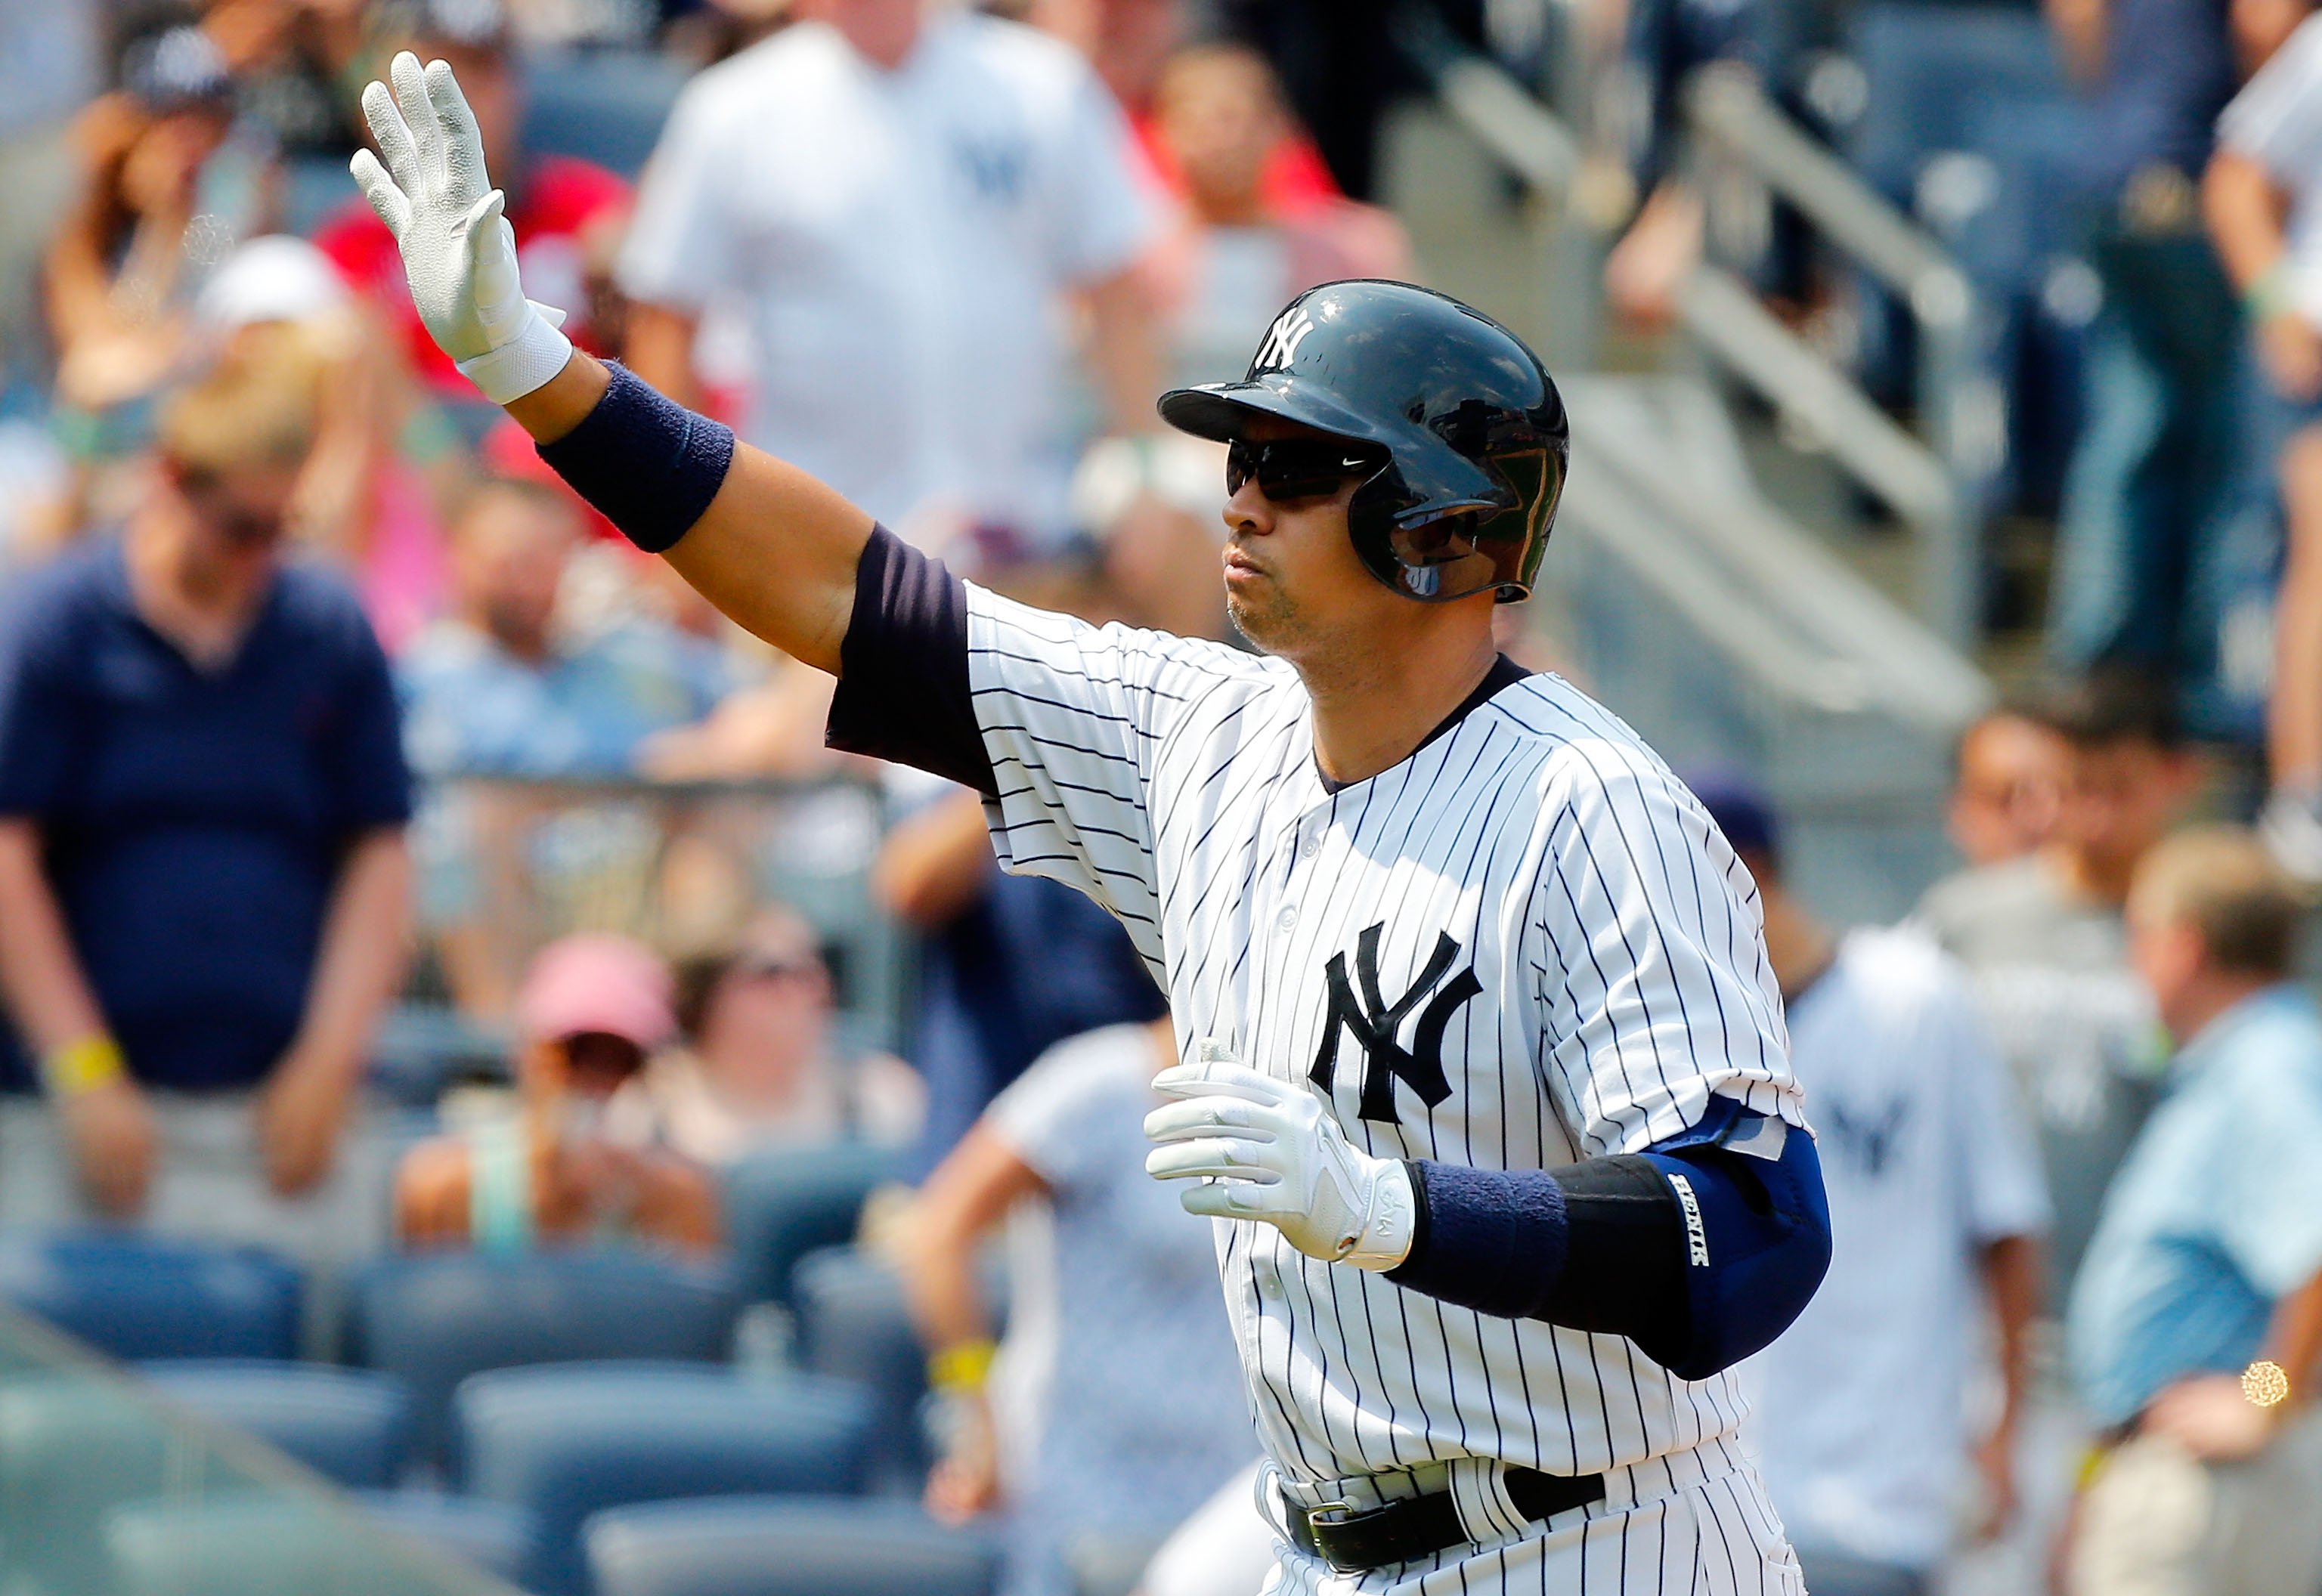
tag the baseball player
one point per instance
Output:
(1484, 1071)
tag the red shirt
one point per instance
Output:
(561, 200)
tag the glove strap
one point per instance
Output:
(1394, 1218)
(538, 353)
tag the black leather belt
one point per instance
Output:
(1355, 1540)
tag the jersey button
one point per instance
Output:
(1310, 847)
(1287, 918)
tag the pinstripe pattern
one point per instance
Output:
(1717, 1536)
(1624, 979)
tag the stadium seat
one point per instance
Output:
(782, 1205)
(784, 1546)
(353, 1426)
(564, 1443)
(492, 1536)
(255, 1544)
(137, 1297)
(435, 1318)
(852, 1325)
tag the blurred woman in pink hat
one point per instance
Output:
(593, 1007)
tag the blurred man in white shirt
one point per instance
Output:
(905, 206)
(1934, 1189)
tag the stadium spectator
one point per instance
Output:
(203, 881)
(1235, 258)
(2265, 212)
(366, 496)
(2194, 1328)
(901, 202)
(2043, 937)
(165, 189)
(568, 213)
(758, 1068)
(1117, 1404)
(498, 688)
(1667, 42)
(2009, 785)
(1155, 506)
(1936, 1207)
(592, 1007)
(2151, 488)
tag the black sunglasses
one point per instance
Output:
(1295, 468)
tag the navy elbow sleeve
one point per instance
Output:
(1757, 1244)
(1698, 1253)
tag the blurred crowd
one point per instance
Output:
(325, 710)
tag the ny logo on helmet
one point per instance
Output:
(1375, 1022)
(1282, 339)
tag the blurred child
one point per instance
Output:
(591, 1008)
(1091, 1457)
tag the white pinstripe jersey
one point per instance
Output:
(1525, 945)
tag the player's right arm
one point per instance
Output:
(1054, 722)
(776, 549)
(772, 547)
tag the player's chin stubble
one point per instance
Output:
(1271, 618)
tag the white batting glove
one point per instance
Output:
(1272, 1150)
(459, 250)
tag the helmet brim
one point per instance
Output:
(1222, 411)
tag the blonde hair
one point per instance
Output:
(2220, 880)
(255, 405)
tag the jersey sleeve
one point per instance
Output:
(678, 251)
(2276, 120)
(1648, 958)
(1072, 717)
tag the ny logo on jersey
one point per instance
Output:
(1864, 1140)
(1282, 341)
(1375, 1022)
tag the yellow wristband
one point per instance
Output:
(82, 1066)
(962, 1366)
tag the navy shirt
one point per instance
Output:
(195, 821)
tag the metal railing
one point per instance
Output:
(1962, 413)
(1937, 485)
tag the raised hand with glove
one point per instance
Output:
(459, 252)
(1273, 1151)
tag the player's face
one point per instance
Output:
(1293, 585)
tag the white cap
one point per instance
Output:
(277, 278)
(1184, 472)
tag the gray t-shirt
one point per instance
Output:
(2076, 1029)
(1141, 1410)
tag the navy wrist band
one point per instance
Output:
(1492, 1240)
(648, 464)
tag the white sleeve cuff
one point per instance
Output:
(524, 363)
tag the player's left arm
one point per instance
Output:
(1700, 1249)
(1698, 1228)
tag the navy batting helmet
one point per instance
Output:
(1468, 428)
